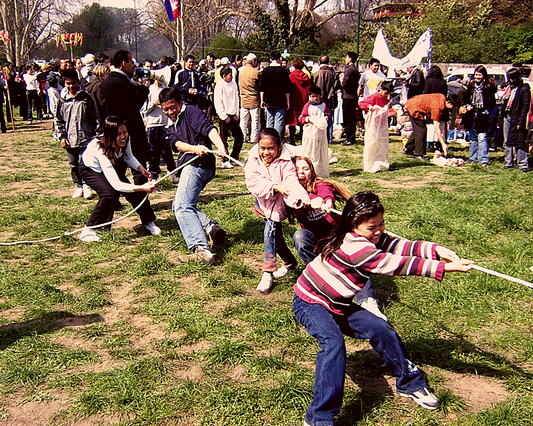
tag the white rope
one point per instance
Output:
(106, 223)
(476, 267)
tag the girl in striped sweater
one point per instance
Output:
(323, 301)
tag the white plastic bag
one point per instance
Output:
(315, 144)
(376, 153)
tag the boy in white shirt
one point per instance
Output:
(226, 100)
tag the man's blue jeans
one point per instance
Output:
(192, 222)
(276, 118)
(328, 329)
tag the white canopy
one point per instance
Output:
(421, 50)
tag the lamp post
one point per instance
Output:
(135, 29)
(358, 30)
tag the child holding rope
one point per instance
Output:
(103, 168)
(317, 222)
(271, 178)
(323, 301)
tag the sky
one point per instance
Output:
(119, 3)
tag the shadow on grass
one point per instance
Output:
(46, 323)
(460, 356)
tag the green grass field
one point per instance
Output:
(119, 333)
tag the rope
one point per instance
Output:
(106, 223)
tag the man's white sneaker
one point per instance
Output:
(87, 191)
(153, 228)
(77, 193)
(200, 254)
(88, 235)
(281, 272)
(227, 165)
(423, 397)
(265, 285)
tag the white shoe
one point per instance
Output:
(333, 160)
(87, 191)
(371, 305)
(78, 193)
(227, 165)
(88, 235)
(281, 272)
(153, 228)
(423, 397)
(265, 285)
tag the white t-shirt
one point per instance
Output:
(371, 80)
(94, 158)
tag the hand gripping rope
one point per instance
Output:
(478, 268)
(126, 215)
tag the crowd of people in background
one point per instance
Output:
(246, 95)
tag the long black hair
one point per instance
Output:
(358, 209)
(108, 140)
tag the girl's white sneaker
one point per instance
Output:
(265, 285)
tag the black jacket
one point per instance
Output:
(125, 99)
(416, 83)
(518, 115)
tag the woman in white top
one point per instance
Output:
(103, 168)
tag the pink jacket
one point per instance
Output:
(260, 181)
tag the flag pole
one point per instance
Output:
(9, 100)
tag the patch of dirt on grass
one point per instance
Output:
(188, 372)
(31, 413)
(409, 181)
(13, 314)
(478, 392)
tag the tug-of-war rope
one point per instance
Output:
(100, 225)
(474, 266)
(177, 169)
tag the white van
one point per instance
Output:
(459, 74)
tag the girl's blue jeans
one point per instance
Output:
(275, 245)
(328, 329)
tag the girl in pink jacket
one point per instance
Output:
(271, 178)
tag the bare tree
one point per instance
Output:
(29, 24)
(200, 16)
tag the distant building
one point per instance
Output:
(387, 11)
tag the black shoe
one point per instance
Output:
(507, 167)
(527, 169)
(408, 152)
(347, 143)
(432, 147)
(217, 235)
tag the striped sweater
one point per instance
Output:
(335, 282)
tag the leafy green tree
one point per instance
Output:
(101, 27)
(225, 45)
(518, 42)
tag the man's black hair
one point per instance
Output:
(353, 56)
(170, 93)
(71, 73)
(119, 57)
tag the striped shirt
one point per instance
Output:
(335, 282)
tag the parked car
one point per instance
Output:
(459, 74)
